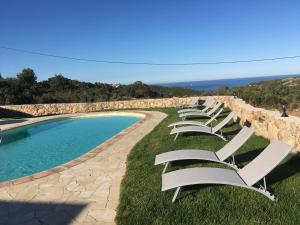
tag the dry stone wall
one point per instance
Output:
(66, 108)
(266, 123)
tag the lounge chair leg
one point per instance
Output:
(233, 160)
(263, 190)
(176, 136)
(265, 183)
(221, 136)
(175, 195)
(165, 168)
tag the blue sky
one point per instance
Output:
(152, 31)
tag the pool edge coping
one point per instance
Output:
(86, 156)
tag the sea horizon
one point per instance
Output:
(211, 85)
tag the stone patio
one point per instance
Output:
(87, 193)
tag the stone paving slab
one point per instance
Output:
(87, 193)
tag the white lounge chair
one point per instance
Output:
(193, 103)
(207, 104)
(196, 123)
(220, 156)
(198, 113)
(207, 130)
(248, 177)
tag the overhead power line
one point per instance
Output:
(149, 63)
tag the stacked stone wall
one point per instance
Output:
(266, 123)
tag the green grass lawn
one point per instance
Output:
(143, 202)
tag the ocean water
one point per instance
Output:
(34, 148)
(211, 85)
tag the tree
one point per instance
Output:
(27, 77)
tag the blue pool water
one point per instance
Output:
(34, 148)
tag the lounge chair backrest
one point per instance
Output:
(232, 146)
(208, 105)
(214, 117)
(208, 101)
(265, 162)
(220, 125)
(215, 108)
(194, 101)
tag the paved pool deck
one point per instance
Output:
(85, 192)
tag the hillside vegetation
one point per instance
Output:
(268, 94)
(25, 89)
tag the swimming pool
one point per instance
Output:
(41, 146)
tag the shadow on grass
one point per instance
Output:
(285, 170)
(205, 118)
(222, 116)
(244, 157)
(194, 189)
(232, 132)
(226, 134)
(248, 156)
(184, 163)
(12, 121)
(9, 113)
(31, 213)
